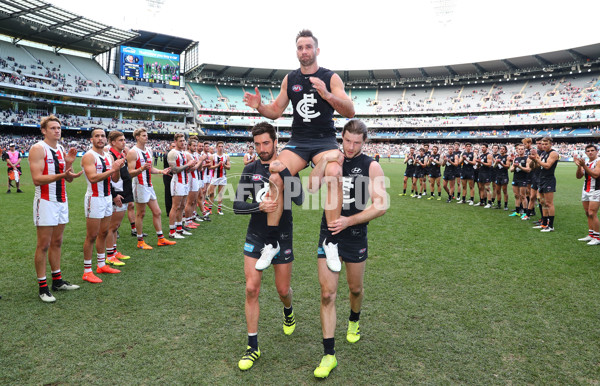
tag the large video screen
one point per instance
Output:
(138, 64)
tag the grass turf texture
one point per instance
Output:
(453, 294)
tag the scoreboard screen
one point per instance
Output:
(138, 64)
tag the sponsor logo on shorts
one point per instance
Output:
(287, 251)
(297, 88)
(362, 250)
(320, 251)
(248, 247)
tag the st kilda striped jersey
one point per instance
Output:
(182, 176)
(590, 183)
(220, 171)
(103, 163)
(194, 174)
(143, 157)
(54, 163)
(207, 173)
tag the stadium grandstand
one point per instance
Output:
(88, 74)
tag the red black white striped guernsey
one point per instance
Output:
(182, 176)
(591, 184)
(143, 157)
(220, 171)
(103, 162)
(54, 163)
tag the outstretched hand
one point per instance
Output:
(252, 100)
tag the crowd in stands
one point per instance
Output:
(52, 77)
(68, 120)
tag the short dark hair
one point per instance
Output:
(547, 139)
(96, 128)
(484, 144)
(306, 33)
(115, 134)
(591, 145)
(264, 127)
(356, 126)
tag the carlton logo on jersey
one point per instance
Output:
(297, 88)
(304, 108)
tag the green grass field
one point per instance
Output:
(453, 294)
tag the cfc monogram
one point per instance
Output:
(305, 106)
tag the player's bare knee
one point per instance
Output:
(356, 289)
(56, 243)
(44, 246)
(284, 292)
(252, 290)
(328, 296)
(276, 180)
(333, 169)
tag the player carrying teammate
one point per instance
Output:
(363, 179)
(315, 93)
(50, 167)
(255, 182)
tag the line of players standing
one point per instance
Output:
(116, 178)
(532, 168)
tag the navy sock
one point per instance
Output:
(253, 341)
(329, 346)
(272, 235)
(354, 316)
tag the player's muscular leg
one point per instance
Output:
(140, 211)
(156, 221)
(294, 163)
(333, 179)
(44, 238)
(283, 276)
(329, 282)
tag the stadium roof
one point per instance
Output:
(41, 22)
(160, 42)
(585, 55)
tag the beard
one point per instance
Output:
(266, 156)
(307, 61)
